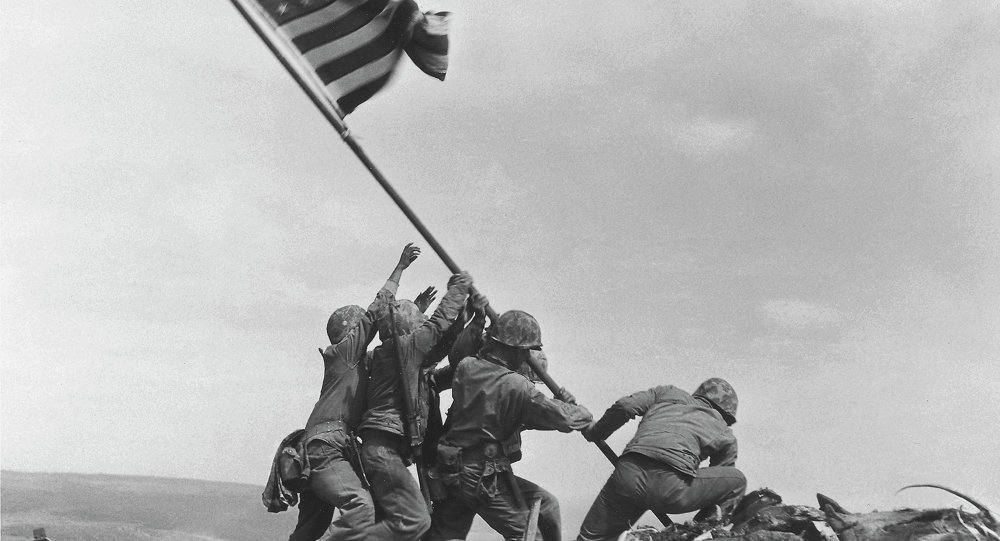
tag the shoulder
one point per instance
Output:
(661, 394)
(467, 363)
(670, 393)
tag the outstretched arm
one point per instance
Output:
(425, 298)
(432, 330)
(471, 337)
(380, 306)
(544, 413)
(619, 413)
(409, 255)
(355, 344)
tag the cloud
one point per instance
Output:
(800, 315)
(701, 137)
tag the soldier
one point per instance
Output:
(468, 344)
(385, 434)
(329, 441)
(491, 403)
(659, 468)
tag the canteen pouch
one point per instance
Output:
(449, 464)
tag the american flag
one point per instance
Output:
(354, 45)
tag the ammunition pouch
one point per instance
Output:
(445, 472)
(495, 470)
(491, 461)
(449, 464)
(436, 485)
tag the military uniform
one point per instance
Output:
(385, 449)
(329, 441)
(491, 404)
(658, 469)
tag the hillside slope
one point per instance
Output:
(113, 507)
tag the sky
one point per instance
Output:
(800, 197)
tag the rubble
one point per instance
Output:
(765, 518)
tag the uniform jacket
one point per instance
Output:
(491, 403)
(345, 376)
(676, 429)
(385, 398)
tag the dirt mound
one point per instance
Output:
(774, 521)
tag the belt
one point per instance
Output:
(486, 450)
(495, 462)
(327, 426)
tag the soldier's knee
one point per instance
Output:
(741, 480)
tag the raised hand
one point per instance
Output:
(409, 255)
(426, 298)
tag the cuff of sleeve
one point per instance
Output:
(391, 286)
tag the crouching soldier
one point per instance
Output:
(334, 480)
(387, 433)
(659, 470)
(491, 402)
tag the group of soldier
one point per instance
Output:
(387, 399)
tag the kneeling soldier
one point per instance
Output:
(491, 403)
(659, 469)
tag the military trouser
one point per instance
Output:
(402, 513)
(640, 483)
(483, 487)
(334, 483)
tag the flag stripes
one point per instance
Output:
(353, 46)
(339, 27)
(383, 37)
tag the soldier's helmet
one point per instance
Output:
(342, 321)
(408, 319)
(722, 395)
(539, 357)
(516, 329)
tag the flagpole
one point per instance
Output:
(305, 80)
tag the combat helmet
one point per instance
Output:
(516, 329)
(342, 321)
(722, 395)
(408, 319)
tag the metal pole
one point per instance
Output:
(601, 444)
(303, 77)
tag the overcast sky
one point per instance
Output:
(802, 198)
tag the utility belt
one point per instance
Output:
(489, 456)
(294, 466)
(324, 427)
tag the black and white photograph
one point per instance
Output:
(433, 270)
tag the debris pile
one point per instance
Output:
(762, 517)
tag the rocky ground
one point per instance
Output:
(764, 518)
